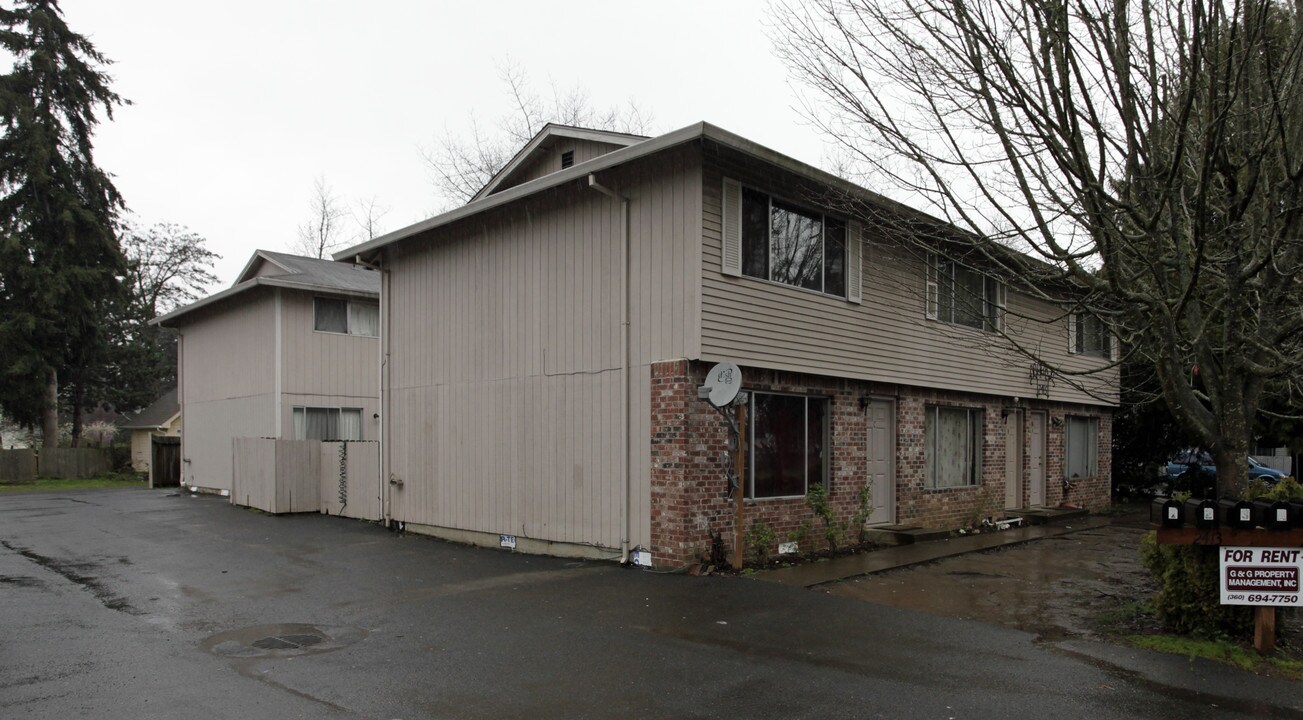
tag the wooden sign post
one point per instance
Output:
(739, 496)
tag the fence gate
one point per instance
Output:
(165, 461)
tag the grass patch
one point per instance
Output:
(112, 480)
(1222, 651)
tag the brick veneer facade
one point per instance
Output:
(689, 441)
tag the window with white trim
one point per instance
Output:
(346, 317)
(322, 423)
(1081, 447)
(787, 444)
(960, 295)
(771, 239)
(953, 446)
(1090, 336)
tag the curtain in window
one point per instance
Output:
(1082, 438)
(300, 424)
(330, 315)
(321, 424)
(953, 447)
(364, 319)
(350, 424)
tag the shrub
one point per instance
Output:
(817, 498)
(760, 537)
(1189, 596)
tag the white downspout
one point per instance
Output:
(624, 370)
(381, 366)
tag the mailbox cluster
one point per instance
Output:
(1205, 513)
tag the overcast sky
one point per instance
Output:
(239, 106)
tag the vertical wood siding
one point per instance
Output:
(886, 338)
(505, 411)
(227, 384)
(320, 363)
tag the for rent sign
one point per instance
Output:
(1261, 576)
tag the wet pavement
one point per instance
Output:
(146, 604)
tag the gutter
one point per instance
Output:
(626, 406)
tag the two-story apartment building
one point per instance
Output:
(290, 350)
(543, 344)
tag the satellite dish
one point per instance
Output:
(723, 383)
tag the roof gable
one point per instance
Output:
(534, 151)
(297, 273)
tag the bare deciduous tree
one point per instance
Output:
(168, 266)
(1149, 156)
(369, 214)
(459, 166)
(323, 231)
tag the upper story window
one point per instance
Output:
(347, 317)
(769, 238)
(962, 296)
(792, 245)
(1088, 335)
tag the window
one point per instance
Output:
(788, 444)
(1081, 451)
(311, 423)
(962, 296)
(347, 317)
(1090, 336)
(791, 245)
(953, 446)
(567, 159)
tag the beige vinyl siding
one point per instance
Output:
(227, 384)
(886, 338)
(505, 410)
(549, 159)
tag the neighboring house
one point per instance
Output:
(289, 351)
(162, 418)
(545, 342)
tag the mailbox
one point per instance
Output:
(1236, 513)
(1272, 514)
(1166, 512)
(1296, 513)
(1201, 513)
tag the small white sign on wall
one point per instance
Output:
(507, 541)
(787, 548)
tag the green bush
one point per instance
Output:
(817, 498)
(1189, 596)
(760, 538)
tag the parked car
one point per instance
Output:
(1186, 460)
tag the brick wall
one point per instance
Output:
(689, 447)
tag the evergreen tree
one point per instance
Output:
(61, 268)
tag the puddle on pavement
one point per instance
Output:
(281, 640)
(1054, 590)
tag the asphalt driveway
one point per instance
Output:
(143, 604)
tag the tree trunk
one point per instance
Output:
(1231, 452)
(78, 395)
(50, 418)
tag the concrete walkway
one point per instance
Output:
(890, 558)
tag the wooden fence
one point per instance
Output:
(290, 476)
(62, 463)
(17, 465)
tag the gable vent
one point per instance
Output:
(567, 159)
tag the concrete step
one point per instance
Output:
(904, 534)
(1041, 515)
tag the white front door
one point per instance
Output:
(1036, 459)
(881, 469)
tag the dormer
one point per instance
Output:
(555, 148)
